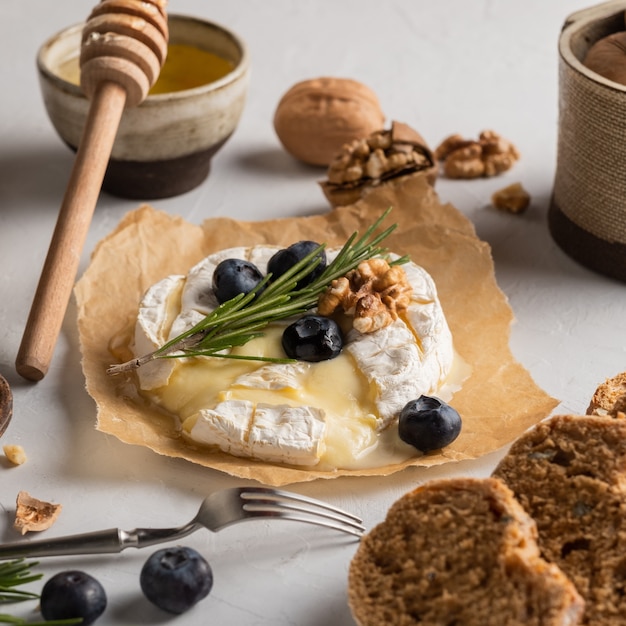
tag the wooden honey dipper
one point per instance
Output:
(124, 45)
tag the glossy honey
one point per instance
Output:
(185, 67)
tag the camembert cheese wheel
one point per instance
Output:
(332, 414)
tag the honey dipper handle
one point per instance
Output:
(61, 266)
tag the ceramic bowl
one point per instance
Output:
(165, 145)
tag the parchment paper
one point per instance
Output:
(497, 402)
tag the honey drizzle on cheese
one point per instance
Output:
(336, 386)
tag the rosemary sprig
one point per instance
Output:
(244, 317)
(13, 574)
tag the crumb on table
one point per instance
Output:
(14, 453)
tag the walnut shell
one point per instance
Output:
(316, 117)
(32, 514)
(607, 57)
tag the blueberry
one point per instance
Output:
(234, 276)
(175, 579)
(72, 594)
(286, 258)
(312, 338)
(428, 424)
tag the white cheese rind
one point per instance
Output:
(151, 331)
(390, 360)
(273, 433)
(275, 376)
(411, 357)
(426, 319)
(225, 426)
(287, 434)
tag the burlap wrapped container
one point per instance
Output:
(587, 216)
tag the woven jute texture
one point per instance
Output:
(588, 213)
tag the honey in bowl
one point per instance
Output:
(185, 67)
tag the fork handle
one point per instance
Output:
(108, 541)
(101, 542)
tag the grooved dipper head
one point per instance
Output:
(124, 41)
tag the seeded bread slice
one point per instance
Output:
(569, 473)
(458, 552)
(610, 397)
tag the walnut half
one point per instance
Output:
(374, 293)
(490, 155)
(371, 161)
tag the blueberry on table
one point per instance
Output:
(72, 594)
(233, 277)
(428, 424)
(312, 338)
(175, 579)
(286, 258)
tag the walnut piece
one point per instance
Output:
(374, 293)
(513, 199)
(15, 454)
(34, 515)
(374, 159)
(490, 155)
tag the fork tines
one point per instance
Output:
(265, 502)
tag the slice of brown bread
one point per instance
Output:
(569, 473)
(610, 397)
(458, 552)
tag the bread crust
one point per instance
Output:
(458, 551)
(569, 473)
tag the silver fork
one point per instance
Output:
(217, 511)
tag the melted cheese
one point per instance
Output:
(330, 414)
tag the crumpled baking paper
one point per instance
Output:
(498, 401)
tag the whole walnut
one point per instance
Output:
(607, 57)
(316, 117)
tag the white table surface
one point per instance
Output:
(442, 67)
